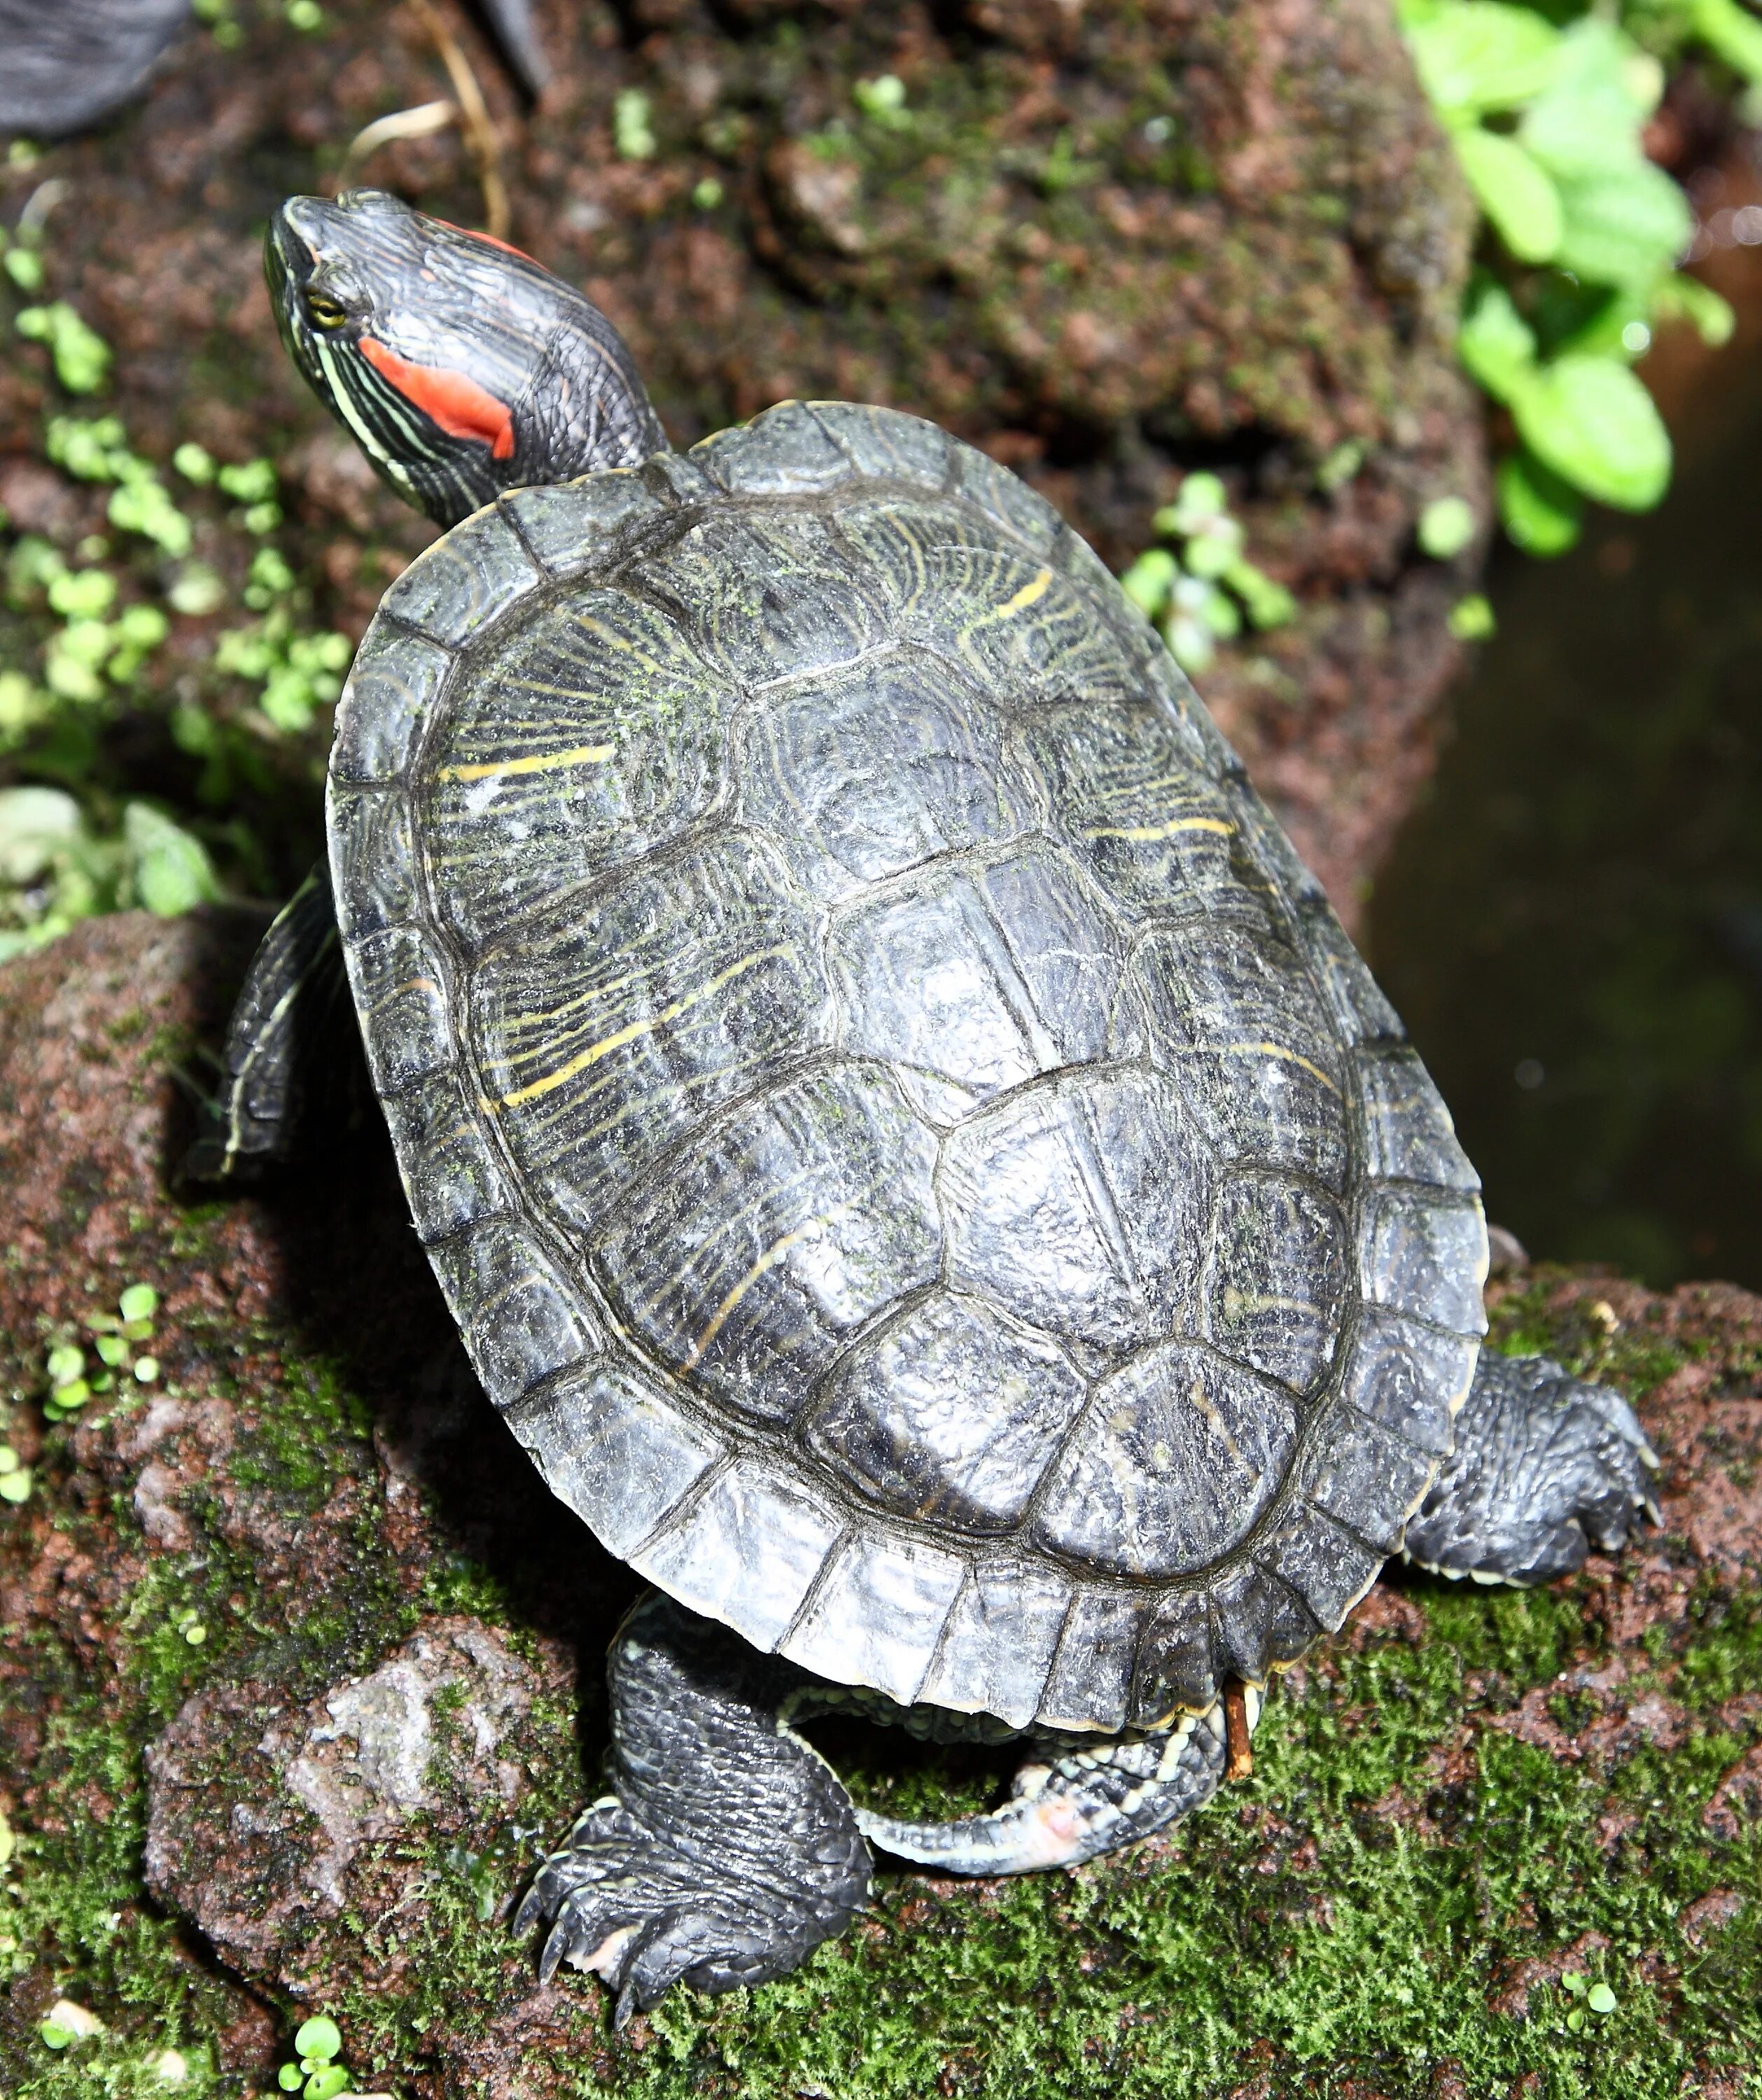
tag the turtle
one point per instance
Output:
(910, 1152)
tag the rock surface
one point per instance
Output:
(295, 1644)
(1106, 242)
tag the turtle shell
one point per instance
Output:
(907, 1145)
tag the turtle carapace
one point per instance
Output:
(910, 1152)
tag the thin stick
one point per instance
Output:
(479, 132)
(1240, 1760)
(421, 123)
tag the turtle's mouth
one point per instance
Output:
(287, 262)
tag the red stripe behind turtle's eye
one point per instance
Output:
(453, 399)
(489, 240)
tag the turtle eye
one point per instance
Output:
(325, 311)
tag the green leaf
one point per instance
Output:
(1680, 298)
(1483, 55)
(1495, 343)
(320, 2037)
(1600, 1998)
(171, 869)
(1268, 604)
(1623, 226)
(1596, 425)
(1538, 509)
(1447, 526)
(1471, 620)
(1149, 579)
(1589, 119)
(1514, 192)
(1732, 34)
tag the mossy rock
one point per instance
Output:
(322, 1803)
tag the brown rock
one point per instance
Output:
(1108, 242)
(266, 1824)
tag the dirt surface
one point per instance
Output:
(299, 1668)
(1108, 243)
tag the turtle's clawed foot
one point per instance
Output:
(642, 1914)
(730, 1850)
(1544, 1468)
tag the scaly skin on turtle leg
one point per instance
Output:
(727, 1852)
(1543, 1467)
(296, 975)
(1075, 1800)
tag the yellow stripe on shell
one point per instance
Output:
(1144, 833)
(767, 1261)
(1274, 1050)
(636, 1029)
(583, 754)
(1029, 595)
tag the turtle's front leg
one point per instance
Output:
(295, 977)
(1543, 1466)
(727, 1850)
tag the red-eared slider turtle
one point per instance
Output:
(910, 1152)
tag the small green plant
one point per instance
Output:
(317, 2075)
(883, 101)
(81, 356)
(1588, 1997)
(113, 1336)
(14, 1486)
(54, 870)
(298, 671)
(1199, 596)
(631, 131)
(1547, 124)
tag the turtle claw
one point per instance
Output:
(1545, 1468)
(624, 1906)
(730, 1850)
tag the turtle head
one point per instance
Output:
(458, 365)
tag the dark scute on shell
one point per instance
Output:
(998, 1642)
(606, 1038)
(977, 978)
(1232, 1014)
(866, 772)
(1178, 1456)
(601, 736)
(611, 1445)
(521, 1317)
(1410, 1377)
(879, 1612)
(1099, 1173)
(789, 1225)
(1275, 1292)
(765, 595)
(747, 1552)
(951, 1412)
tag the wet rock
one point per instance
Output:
(266, 1824)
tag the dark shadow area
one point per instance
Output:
(358, 1292)
(1571, 926)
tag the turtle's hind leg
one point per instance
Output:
(1543, 1466)
(294, 980)
(727, 1850)
(1075, 1800)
